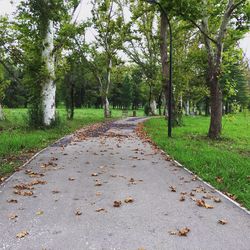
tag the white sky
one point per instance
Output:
(85, 11)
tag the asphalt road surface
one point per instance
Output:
(64, 199)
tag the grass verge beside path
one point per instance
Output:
(18, 142)
(224, 163)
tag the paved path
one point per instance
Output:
(61, 214)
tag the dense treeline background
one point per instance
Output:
(46, 62)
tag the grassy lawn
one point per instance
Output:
(16, 139)
(228, 158)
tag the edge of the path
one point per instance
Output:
(192, 173)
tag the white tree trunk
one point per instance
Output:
(49, 87)
(187, 108)
(153, 107)
(106, 101)
(106, 107)
(1, 113)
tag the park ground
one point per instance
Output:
(223, 163)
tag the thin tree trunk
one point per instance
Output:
(1, 113)
(49, 87)
(106, 101)
(216, 110)
(164, 58)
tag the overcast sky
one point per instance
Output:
(85, 11)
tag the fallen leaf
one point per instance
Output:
(98, 184)
(22, 234)
(100, 210)
(12, 201)
(202, 203)
(184, 231)
(222, 221)
(117, 203)
(172, 188)
(129, 200)
(94, 174)
(98, 193)
(219, 179)
(71, 179)
(23, 193)
(12, 216)
(216, 199)
(182, 198)
(23, 186)
(78, 212)
(39, 212)
(55, 192)
(172, 232)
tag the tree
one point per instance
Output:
(213, 18)
(108, 24)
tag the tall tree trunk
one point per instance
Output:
(164, 57)
(1, 113)
(108, 82)
(49, 87)
(216, 110)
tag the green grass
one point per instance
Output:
(228, 158)
(16, 139)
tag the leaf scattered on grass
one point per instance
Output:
(219, 179)
(117, 204)
(222, 221)
(22, 234)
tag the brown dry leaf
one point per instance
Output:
(222, 221)
(13, 216)
(182, 198)
(36, 182)
(183, 193)
(192, 194)
(12, 201)
(184, 231)
(39, 212)
(55, 191)
(71, 179)
(33, 174)
(129, 200)
(78, 212)
(216, 199)
(98, 193)
(172, 188)
(94, 174)
(208, 206)
(202, 203)
(194, 178)
(23, 186)
(23, 193)
(98, 184)
(100, 210)
(219, 179)
(172, 232)
(117, 204)
(22, 234)
(233, 197)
